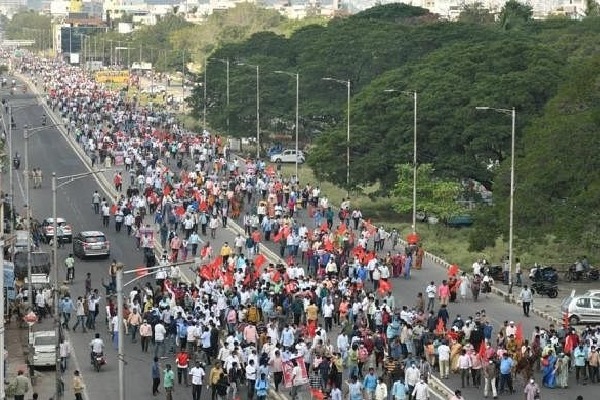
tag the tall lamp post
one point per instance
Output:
(412, 93)
(226, 62)
(205, 98)
(513, 114)
(257, 107)
(297, 76)
(347, 84)
(67, 179)
(27, 133)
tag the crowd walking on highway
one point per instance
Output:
(324, 319)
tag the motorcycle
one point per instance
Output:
(16, 163)
(545, 288)
(98, 361)
(543, 273)
(591, 274)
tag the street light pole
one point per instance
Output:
(68, 179)
(513, 114)
(28, 218)
(120, 339)
(348, 86)
(257, 106)
(56, 289)
(10, 171)
(297, 76)
(414, 211)
(412, 93)
(204, 110)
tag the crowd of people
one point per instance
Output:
(325, 317)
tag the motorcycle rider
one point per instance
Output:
(97, 347)
(579, 268)
(17, 160)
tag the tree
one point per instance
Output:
(475, 13)
(592, 8)
(514, 14)
(434, 196)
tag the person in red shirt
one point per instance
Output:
(182, 361)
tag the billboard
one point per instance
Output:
(112, 77)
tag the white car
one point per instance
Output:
(288, 156)
(42, 348)
(156, 89)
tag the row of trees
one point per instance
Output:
(454, 67)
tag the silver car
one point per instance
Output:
(288, 156)
(90, 244)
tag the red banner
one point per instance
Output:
(287, 373)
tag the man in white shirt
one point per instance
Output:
(444, 360)
(464, 364)
(412, 376)
(159, 338)
(197, 373)
(327, 309)
(431, 290)
(421, 391)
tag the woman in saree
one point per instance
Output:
(455, 350)
(549, 370)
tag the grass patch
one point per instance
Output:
(449, 243)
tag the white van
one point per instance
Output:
(584, 308)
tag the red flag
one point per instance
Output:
(519, 334)
(206, 272)
(384, 286)
(179, 210)
(453, 270)
(204, 252)
(317, 394)
(277, 238)
(324, 226)
(329, 245)
(276, 276)
(167, 190)
(228, 279)
(259, 260)
(482, 351)
(440, 327)
(342, 229)
(141, 271)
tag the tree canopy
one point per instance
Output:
(454, 67)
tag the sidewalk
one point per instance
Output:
(16, 341)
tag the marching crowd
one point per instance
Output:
(325, 318)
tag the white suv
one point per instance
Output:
(288, 156)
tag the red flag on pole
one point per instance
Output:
(259, 260)
(440, 327)
(228, 279)
(277, 238)
(482, 351)
(206, 272)
(384, 286)
(519, 334)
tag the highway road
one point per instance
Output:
(51, 152)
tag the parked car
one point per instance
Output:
(42, 348)
(91, 243)
(582, 309)
(48, 229)
(156, 89)
(288, 156)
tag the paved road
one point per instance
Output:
(75, 206)
(50, 151)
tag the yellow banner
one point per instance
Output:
(112, 76)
